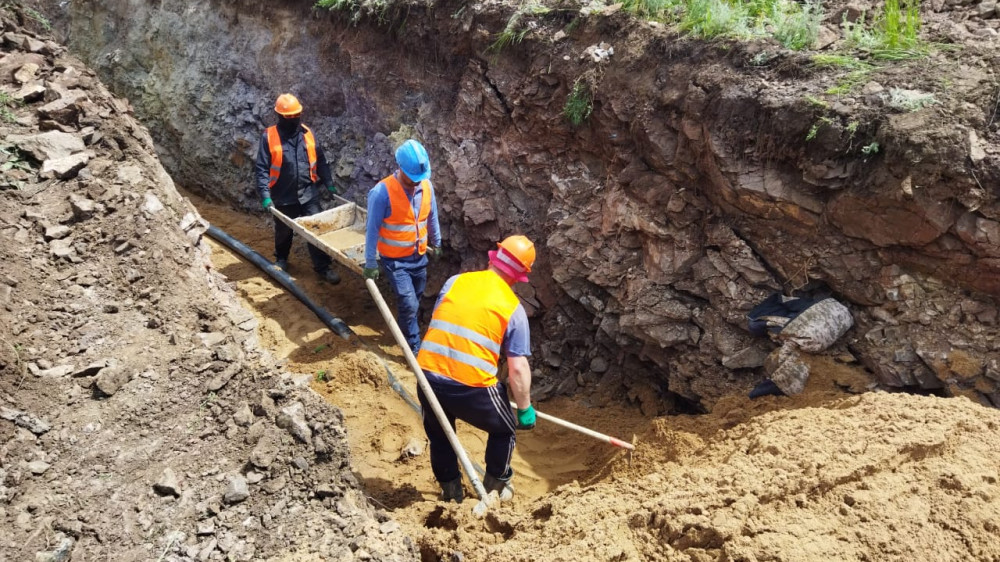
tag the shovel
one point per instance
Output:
(484, 498)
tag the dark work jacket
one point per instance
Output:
(294, 186)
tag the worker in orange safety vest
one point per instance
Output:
(291, 171)
(477, 320)
(403, 230)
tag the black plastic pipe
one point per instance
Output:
(331, 321)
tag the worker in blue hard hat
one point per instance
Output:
(403, 229)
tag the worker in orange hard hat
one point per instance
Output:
(477, 320)
(291, 172)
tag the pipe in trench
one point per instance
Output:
(335, 324)
(332, 322)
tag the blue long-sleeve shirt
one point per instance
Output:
(379, 209)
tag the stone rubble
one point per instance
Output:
(163, 446)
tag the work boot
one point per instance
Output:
(498, 485)
(452, 491)
(281, 264)
(330, 276)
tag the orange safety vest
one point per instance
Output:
(467, 329)
(274, 145)
(400, 232)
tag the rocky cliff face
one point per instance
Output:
(706, 177)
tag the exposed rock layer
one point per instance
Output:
(689, 194)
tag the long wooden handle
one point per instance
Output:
(583, 430)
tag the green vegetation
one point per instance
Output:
(870, 149)
(514, 32)
(6, 103)
(13, 159)
(817, 126)
(650, 9)
(816, 102)
(321, 376)
(37, 17)
(579, 103)
(792, 24)
(893, 33)
(797, 28)
(713, 18)
(849, 81)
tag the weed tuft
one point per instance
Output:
(514, 32)
(6, 103)
(893, 34)
(816, 102)
(814, 130)
(579, 103)
(796, 26)
(37, 17)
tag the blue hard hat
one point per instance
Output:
(412, 159)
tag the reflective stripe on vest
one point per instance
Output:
(277, 154)
(464, 339)
(401, 233)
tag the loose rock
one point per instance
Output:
(237, 490)
(167, 485)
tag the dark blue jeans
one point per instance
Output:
(408, 277)
(283, 234)
(486, 408)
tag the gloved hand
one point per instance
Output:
(526, 418)
(333, 189)
(267, 203)
(434, 252)
(370, 273)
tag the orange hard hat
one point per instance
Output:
(514, 256)
(288, 105)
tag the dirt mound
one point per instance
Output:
(873, 477)
(139, 418)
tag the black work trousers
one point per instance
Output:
(486, 408)
(283, 234)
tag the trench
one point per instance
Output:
(835, 472)
(380, 423)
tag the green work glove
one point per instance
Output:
(267, 203)
(526, 418)
(333, 189)
(370, 273)
(434, 252)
